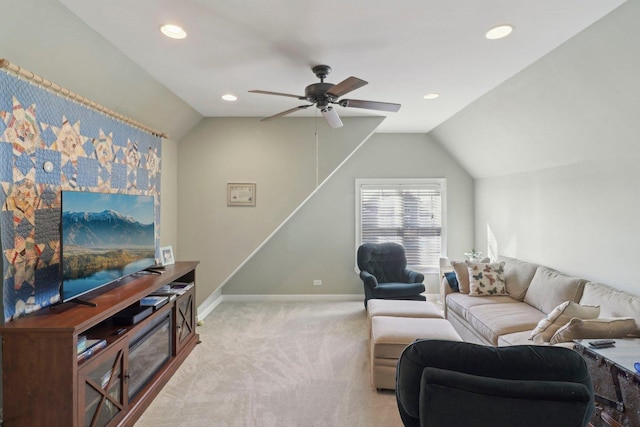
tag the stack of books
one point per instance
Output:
(82, 343)
(173, 290)
(89, 347)
(155, 301)
(180, 288)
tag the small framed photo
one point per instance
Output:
(241, 194)
(166, 255)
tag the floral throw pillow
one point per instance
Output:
(486, 279)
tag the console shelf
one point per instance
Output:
(44, 384)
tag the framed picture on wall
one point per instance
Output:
(241, 194)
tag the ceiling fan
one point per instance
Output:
(323, 94)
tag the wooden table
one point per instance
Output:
(616, 382)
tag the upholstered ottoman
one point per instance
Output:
(402, 308)
(389, 337)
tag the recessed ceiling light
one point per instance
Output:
(229, 97)
(173, 31)
(431, 96)
(499, 32)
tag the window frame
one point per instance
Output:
(441, 182)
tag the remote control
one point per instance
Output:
(602, 343)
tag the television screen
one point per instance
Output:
(104, 237)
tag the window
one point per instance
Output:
(405, 211)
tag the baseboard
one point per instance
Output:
(209, 304)
(216, 298)
(297, 297)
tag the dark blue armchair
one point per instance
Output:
(460, 384)
(383, 270)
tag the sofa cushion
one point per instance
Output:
(559, 317)
(549, 288)
(514, 338)
(594, 328)
(612, 302)
(493, 320)
(486, 279)
(517, 276)
(460, 303)
(522, 338)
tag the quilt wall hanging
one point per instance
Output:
(53, 140)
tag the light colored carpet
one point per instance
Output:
(269, 364)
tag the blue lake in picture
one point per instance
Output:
(76, 287)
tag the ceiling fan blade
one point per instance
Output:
(371, 105)
(346, 86)
(265, 92)
(332, 118)
(284, 113)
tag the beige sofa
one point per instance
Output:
(558, 307)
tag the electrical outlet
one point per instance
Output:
(317, 283)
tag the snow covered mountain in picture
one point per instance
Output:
(106, 229)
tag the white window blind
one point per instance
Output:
(408, 212)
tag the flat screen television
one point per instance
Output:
(104, 238)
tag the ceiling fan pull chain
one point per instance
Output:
(317, 151)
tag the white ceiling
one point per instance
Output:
(404, 49)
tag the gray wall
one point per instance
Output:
(279, 156)
(169, 197)
(555, 153)
(319, 241)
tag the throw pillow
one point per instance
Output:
(594, 328)
(486, 279)
(517, 276)
(462, 274)
(452, 280)
(550, 288)
(560, 316)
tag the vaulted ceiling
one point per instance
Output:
(403, 49)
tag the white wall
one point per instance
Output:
(555, 153)
(575, 105)
(581, 219)
(319, 241)
(279, 156)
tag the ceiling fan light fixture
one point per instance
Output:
(332, 118)
(173, 31)
(322, 94)
(499, 32)
(431, 96)
(229, 97)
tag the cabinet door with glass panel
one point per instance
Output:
(101, 387)
(185, 319)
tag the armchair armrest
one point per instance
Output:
(413, 276)
(369, 279)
